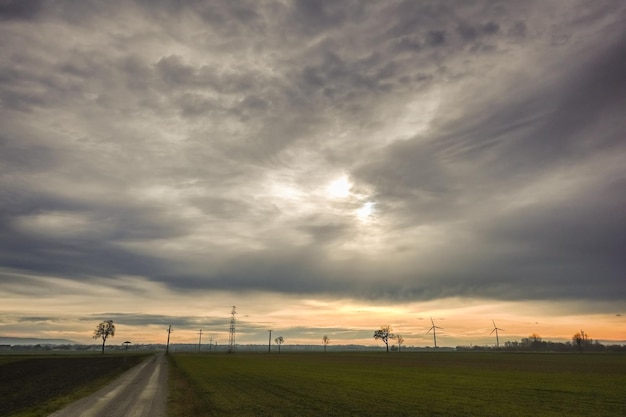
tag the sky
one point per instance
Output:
(327, 167)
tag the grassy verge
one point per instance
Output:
(400, 384)
(38, 386)
(185, 397)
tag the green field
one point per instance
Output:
(398, 384)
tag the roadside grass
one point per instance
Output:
(36, 386)
(399, 384)
(184, 398)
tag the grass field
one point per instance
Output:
(398, 384)
(37, 385)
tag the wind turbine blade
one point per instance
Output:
(492, 332)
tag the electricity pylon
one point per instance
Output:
(232, 331)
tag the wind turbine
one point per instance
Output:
(495, 329)
(434, 329)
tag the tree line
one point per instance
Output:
(580, 341)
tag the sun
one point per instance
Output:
(340, 188)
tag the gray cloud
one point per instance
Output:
(143, 320)
(18, 10)
(192, 145)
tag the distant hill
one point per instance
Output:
(34, 341)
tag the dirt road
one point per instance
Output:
(140, 392)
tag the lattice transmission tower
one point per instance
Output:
(231, 334)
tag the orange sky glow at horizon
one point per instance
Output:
(304, 320)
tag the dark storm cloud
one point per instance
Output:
(559, 247)
(316, 16)
(335, 79)
(523, 136)
(19, 9)
(472, 32)
(74, 259)
(192, 144)
(138, 319)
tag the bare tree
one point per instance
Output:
(400, 340)
(384, 334)
(534, 341)
(104, 330)
(279, 341)
(325, 342)
(581, 340)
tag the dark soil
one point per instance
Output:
(34, 381)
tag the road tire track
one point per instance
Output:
(140, 392)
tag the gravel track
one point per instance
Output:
(140, 392)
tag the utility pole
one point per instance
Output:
(167, 347)
(211, 344)
(231, 335)
(269, 344)
(200, 340)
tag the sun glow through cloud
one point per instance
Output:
(339, 188)
(366, 210)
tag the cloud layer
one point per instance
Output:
(476, 148)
